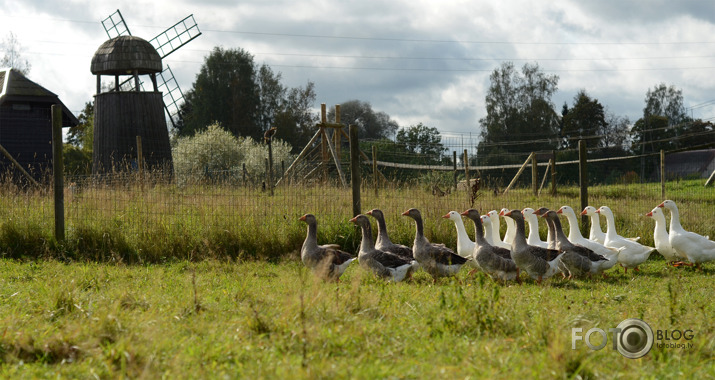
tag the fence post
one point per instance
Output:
(374, 167)
(454, 161)
(534, 175)
(355, 168)
(662, 174)
(466, 169)
(58, 172)
(140, 161)
(583, 180)
(553, 173)
(337, 136)
(270, 165)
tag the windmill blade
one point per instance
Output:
(172, 95)
(176, 36)
(115, 26)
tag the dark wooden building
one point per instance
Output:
(26, 123)
(121, 115)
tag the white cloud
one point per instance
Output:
(418, 61)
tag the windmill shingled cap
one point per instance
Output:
(124, 54)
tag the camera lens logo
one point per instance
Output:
(635, 338)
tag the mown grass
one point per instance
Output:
(253, 319)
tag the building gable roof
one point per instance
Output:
(14, 86)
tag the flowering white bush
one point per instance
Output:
(215, 154)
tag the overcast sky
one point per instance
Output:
(418, 61)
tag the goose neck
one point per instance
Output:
(382, 231)
(478, 231)
(366, 244)
(311, 240)
(574, 232)
(675, 219)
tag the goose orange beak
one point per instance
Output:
(369, 212)
(446, 216)
(649, 214)
(302, 217)
(354, 220)
(465, 212)
(661, 205)
(406, 213)
(560, 211)
(583, 212)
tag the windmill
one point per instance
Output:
(165, 43)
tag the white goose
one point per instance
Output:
(697, 248)
(533, 238)
(510, 228)
(575, 237)
(465, 246)
(496, 238)
(595, 233)
(661, 238)
(632, 254)
(487, 223)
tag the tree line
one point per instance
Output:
(233, 91)
(521, 118)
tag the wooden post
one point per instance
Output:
(662, 174)
(374, 167)
(553, 173)
(324, 141)
(58, 172)
(583, 180)
(534, 175)
(17, 165)
(336, 159)
(270, 165)
(710, 180)
(140, 162)
(337, 136)
(521, 170)
(265, 168)
(546, 174)
(136, 81)
(466, 169)
(454, 163)
(355, 168)
(302, 154)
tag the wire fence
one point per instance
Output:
(236, 207)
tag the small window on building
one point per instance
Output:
(21, 107)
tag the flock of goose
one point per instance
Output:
(504, 259)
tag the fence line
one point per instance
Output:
(450, 168)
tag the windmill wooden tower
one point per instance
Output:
(127, 110)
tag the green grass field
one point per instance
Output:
(217, 319)
(206, 283)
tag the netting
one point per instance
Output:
(228, 209)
